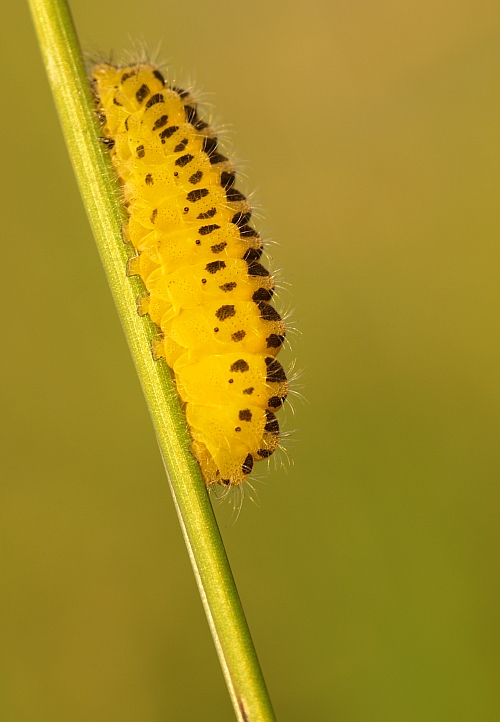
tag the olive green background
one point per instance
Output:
(370, 571)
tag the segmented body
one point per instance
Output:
(199, 259)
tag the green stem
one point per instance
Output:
(98, 185)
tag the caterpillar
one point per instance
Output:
(199, 259)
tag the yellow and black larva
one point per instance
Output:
(199, 258)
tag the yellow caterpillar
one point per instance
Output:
(199, 259)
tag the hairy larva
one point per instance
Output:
(199, 258)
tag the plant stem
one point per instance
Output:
(98, 185)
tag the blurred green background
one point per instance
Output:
(370, 573)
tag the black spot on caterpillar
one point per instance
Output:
(247, 465)
(256, 269)
(275, 340)
(163, 120)
(268, 312)
(159, 76)
(225, 312)
(197, 195)
(218, 247)
(275, 371)
(142, 93)
(227, 179)
(190, 113)
(208, 214)
(209, 145)
(272, 426)
(233, 195)
(158, 98)
(217, 158)
(165, 134)
(196, 177)
(215, 266)
(205, 230)
(184, 160)
(274, 402)
(181, 146)
(240, 365)
(247, 232)
(253, 254)
(182, 93)
(126, 76)
(262, 294)
(240, 219)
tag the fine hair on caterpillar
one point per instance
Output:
(202, 262)
(237, 494)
